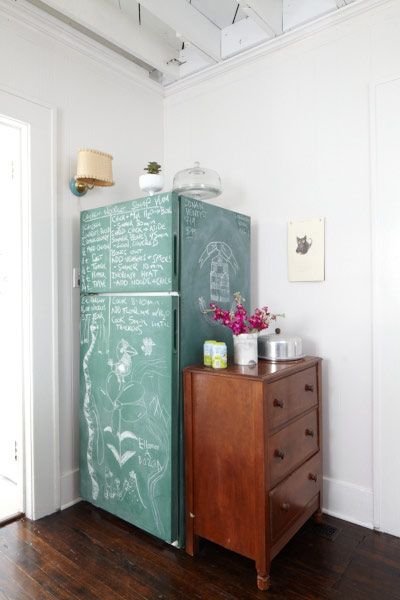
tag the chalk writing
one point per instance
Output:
(243, 223)
(128, 246)
(194, 213)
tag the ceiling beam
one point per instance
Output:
(268, 14)
(189, 23)
(117, 28)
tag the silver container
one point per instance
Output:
(279, 347)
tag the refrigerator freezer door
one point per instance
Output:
(129, 404)
(215, 259)
(131, 246)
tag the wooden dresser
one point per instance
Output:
(252, 456)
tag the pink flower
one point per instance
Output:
(238, 320)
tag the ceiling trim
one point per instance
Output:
(273, 45)
(105, 23)
(24, 13)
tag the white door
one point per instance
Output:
(34, 334)
(386, 315)
(11, 348)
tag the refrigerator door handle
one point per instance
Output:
(175, 323)
(175, 255)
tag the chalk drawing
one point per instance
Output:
(123, 366)
(221, 258)
(89, 412)
(122, 406)
(147, 346)
(115, 490)
(159, 427)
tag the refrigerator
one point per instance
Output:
(149, 269)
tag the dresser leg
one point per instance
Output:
(192, 544)
(318, 517)
(263, 581)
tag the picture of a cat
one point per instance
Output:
(303, 245)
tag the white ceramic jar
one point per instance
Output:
(245, 348)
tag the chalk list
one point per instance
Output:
(194, 215)
(128, 246)
(243, 224)
(137, 315)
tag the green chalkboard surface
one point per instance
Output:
(130, 246)
(129, 407)
(215, 263)
(215, 259)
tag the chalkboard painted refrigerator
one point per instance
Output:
(149, 268)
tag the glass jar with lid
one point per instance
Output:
(198, 182)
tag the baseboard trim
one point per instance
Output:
(69, 488)
(342, 499)
(349, 502)
(71, 503)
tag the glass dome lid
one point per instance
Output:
(197, 182)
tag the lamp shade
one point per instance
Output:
(94, 168)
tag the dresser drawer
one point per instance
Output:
(291, 497)
(290, 396)
(291, 446)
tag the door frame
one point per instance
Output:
(377, 328)
(41, 440)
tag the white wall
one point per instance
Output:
(297, 117)
(289, 132)
(111, 107)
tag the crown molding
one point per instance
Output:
(288, 38)
(24, 13)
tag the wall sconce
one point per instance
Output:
(94, 168)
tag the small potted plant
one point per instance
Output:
(152, 181)
(245, 328)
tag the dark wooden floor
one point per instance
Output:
(85, 553)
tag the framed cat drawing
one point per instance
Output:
(306, 250)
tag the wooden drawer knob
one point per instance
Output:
(279, 403)
(313, 476)
(279, 454)
(310, 432)
(285, 506)
(309, 388)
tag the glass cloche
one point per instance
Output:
(198, 182)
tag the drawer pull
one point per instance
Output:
(309, 388)
(310, 432)
(279, 403)
(279, 454)
(313, 476)
(285, 506)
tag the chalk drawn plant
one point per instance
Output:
(127, 451)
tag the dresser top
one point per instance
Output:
(264, 370)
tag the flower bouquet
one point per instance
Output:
(245, 328)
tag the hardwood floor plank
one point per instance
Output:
(15, 584)
(85, 553)
(40, 558)
(149, 556)
(73, 543)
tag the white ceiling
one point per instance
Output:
(175, 38)
(220, 12)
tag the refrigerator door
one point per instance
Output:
(215, 263)
(131, 246)
(129, 406)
